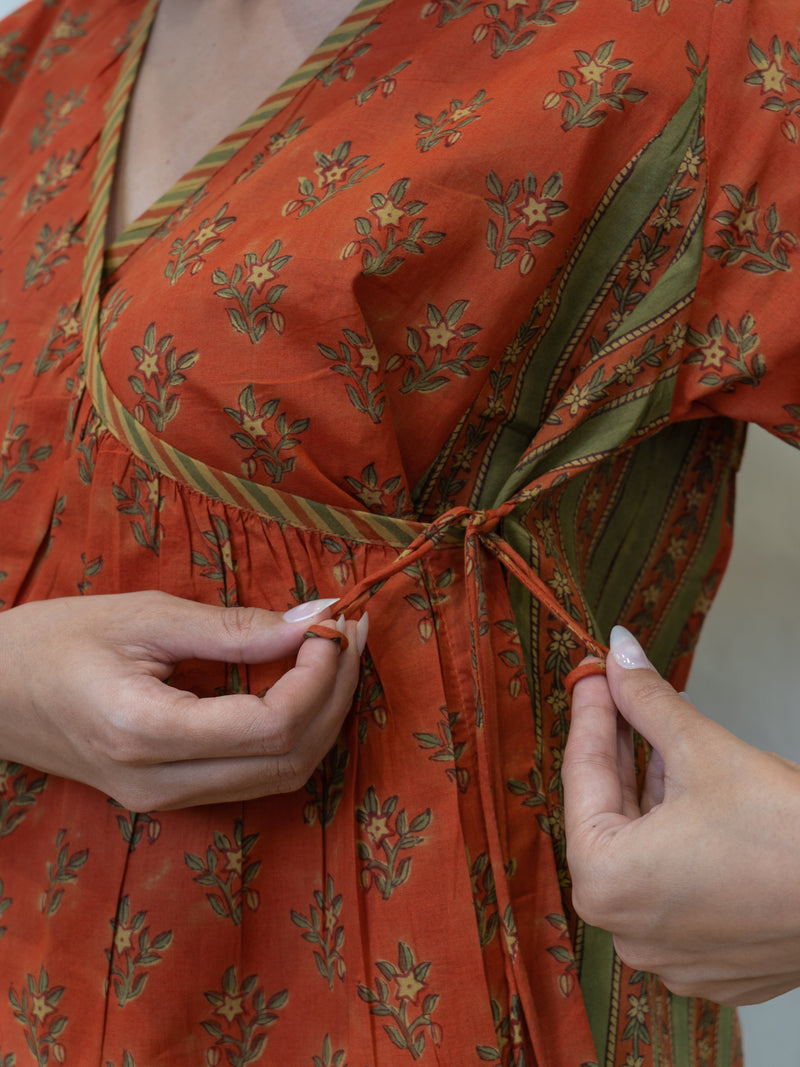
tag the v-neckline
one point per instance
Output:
(181, 191)
(362, 14)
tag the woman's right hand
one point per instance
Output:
(83, 696)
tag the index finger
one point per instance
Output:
(590, 773)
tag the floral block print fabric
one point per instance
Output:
(464, 322)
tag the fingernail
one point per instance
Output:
(308, 610)
(626, 650)
(362, 629)
(340, 624)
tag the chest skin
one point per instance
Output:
(207, 65)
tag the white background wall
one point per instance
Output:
(744, 671)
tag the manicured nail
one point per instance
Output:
(308, 610)
(626, 650)
(340, 624)
(362, 629)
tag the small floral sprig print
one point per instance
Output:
(12, 54)
(161, 370)
(19, 790)
(246, 1005)
(427, 601)
(50, 252)
(506, 36)
(387, 498)
(225, 869)
(394, 232)
(591, 72)
(448, 125)
(437, 366)
(636, 1030)
(344, 66)
(277, 142)
(60, 873)
(322, 928)
(329, 1058)
(445, 10)
(484, 898)
(387, 83)
(142, 500)
(219, 565)
(128, 960)
(6, 344)
(523, 206)
(266, 434)
(742, 243)
(91, 568)
(18, 458)
(57, 112)
(661, 6)
(735, 349)
(358, 360)
(790, 429)
(509, 1051)
(326, 787)
(51, 180)
(189, 253)
(252, 314)
(127, 1060)
(409, 980)
(35, 1010)
(779, 87)
(444, 749)
(564, 955)
(62, 340)
(67, 28)
(335, 171)
(391, 836)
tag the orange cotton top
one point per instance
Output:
(464, 321)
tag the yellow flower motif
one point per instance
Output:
(152, 491)
(377, 829)
(71, 326)
(651, 595)
(40, 1008)
(123, 938)
(561, 644)
(233, 856)
(148, 363)
(676, 338)
(627, 371)
(773, 79)
(638, 1009)
(66, 170)
(369, 356)
(677, 548)
(713, 353)
(331, 173)
(227, 558)
(440, 336)
(746, 222)
(578, 397)
(690, 164)
(667, 218)
(641, 267)
(260, 274)
(534, 211)
(231, 1006)
(62, 30)
(5, 48)
(408, 986)
(388, 214)
(593, 72)
(255, 427)
(205, 233)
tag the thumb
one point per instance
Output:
(170, 629)
(646, 700)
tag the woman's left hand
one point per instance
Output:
(699, 880)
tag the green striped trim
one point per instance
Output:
(623, 211)
(336, 41)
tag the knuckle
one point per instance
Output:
(239, 624)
